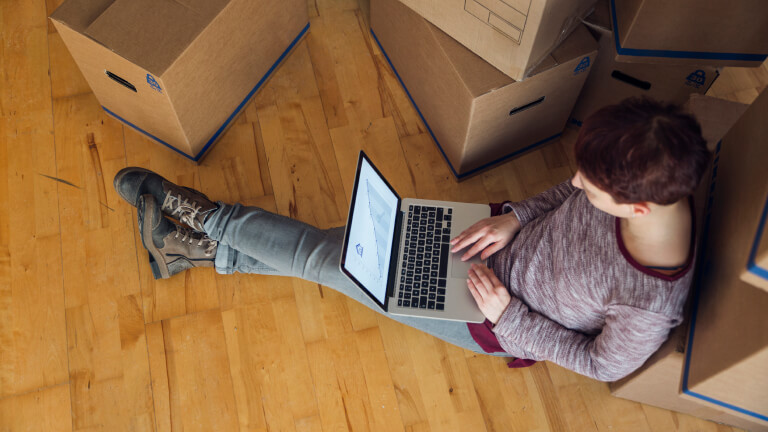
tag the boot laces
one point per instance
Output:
(187, 210)
(189, 236)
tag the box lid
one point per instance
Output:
(149, 33)
(481, 78)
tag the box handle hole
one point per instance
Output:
(527, 106)
(645, 85)
(120, 80)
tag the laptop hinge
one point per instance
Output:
(396, 253)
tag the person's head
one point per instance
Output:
(638, 153)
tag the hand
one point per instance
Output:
(488, 235)
(491, 295)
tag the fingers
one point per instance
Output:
(477, 248)
(492, 249)
(483, 277)
(475, 293)
(482, 288)
(466, 238)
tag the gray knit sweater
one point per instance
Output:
(578, 298)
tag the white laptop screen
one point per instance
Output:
(371, 231)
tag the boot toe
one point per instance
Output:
(131, 182)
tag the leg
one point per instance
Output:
(252, 240)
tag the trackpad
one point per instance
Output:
(459, 268)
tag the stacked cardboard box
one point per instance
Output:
(693, 32)
(179, 72)
(727, 352)
(477, 115)
(612, 81)
(512, 35)
(717, 369)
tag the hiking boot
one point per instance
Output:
(187, 205)
(172, 248)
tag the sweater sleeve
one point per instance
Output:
(535, 206)
(630, 335)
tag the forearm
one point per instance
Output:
(614, 353)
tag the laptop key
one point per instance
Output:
(444, 260)
(431, 305)
(446, 238)
(441, 291)
(441, 283)
(440, 306)
(406, 303)
(440, 299)
(399, 302)
(432, 296)
(423, 303)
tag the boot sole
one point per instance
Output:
(159, 270)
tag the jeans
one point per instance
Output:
(253, 240)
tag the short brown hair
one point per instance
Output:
(641, 150)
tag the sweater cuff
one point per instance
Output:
(520, 211)
(510, 319)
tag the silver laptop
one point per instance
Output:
(398, 251)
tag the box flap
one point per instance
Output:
(579, 43)
(79, 14)
(478, 75)
(600, 18)
(151, 33)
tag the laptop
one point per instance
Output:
(397, 250)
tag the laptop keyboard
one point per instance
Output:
(425, 258)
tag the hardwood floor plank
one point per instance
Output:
(43, 410)
(303, 170)
(32, 336)
(270, 369)
(381, 392)
(199, 391)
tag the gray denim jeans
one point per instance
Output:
(253, 240)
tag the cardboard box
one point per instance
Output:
(756, 273)
(179, 72)
(727, 354)
(477, 115)
(611, 81)
(658, 381)
(512, 35)
(713, 32)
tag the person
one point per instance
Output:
(591, 274)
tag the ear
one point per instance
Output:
(640, 209)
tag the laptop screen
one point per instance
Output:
(370, 232)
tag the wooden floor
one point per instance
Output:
(90, 342)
